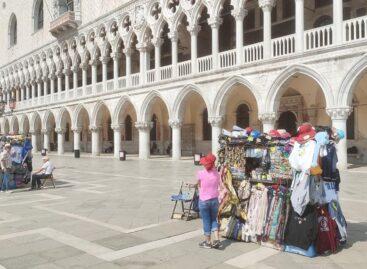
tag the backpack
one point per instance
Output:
(327, 241)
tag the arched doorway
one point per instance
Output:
(288, 121)
(103, 121)
(129, 134)
(82, 123)
(243, 116)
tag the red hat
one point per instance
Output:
(208, 161)
(249, 130)
(305, 132)
(284, 134)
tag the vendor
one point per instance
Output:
(208, 182)
(44, 172)
(6, 165)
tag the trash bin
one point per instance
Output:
(76, 153)
(197, 158)
(122, 155)
(44, 152)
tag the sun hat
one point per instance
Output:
(249, 130)
(274, 133)
(45, 158)
(305, 133)
(208, 161)
(255, 134)
(284, 134)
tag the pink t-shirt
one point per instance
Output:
(209, 184)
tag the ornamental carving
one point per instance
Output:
(267, 3)
(140, 125)
(339, 113)
(216, 121)
(267, 117)
(139, 19)
(175, 123)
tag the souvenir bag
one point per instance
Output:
(327, 241)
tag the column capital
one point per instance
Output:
(339, 113)
(157, 42)
(127, 51)
(45, 131)
(216, 121)
(269, 117)
(34, 132)
(75, 68)
(267, 3)
(94, 128)
(67, 72)
(215, 22)
(60, 130)
(175, 123)
(142, 47)
(141, 125)
(239, 14)
(194, 29)
(104, 59)
(116, 55)
(117, 127)
(173, 35)
(76, 130)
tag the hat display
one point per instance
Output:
(305, 133)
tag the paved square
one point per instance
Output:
(110, 214)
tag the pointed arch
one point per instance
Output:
(273, 97)
(38, 15)
(13, 30)
(61, 117)
(48, 115)
(76, 115)
(222, 95)
(34, 119)
(350, 81)
(14, 125)
(178, 104)
(121, 103)
(95, 111)
(24, 124)
(146, 105)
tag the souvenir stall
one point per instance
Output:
(21, 160)
(281, 192)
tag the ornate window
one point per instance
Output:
(128, 128)
(13, 32)
(38, 15)
(207, 128)
(243, 116)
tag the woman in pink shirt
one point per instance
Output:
(208, 182)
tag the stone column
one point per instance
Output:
(75, 78)
(67, 79)
(300, 25)
(127, 53)
(214, 24)
(59, 83)
(194, 31)
(33, 89)
(34, 140)
(45, 86)
(94, 76)
(239, 16)
(116, 58)
(39, 88)
(76, 132)
(157, 42)
(216, 123)
(104, 61)
(268, 121)
(28, 91)
(96, 149)
(339, 118)
(60, 140)
(144, 139)
(176, 139)
(143, 67)
(267, 6)
(174, 51)
(22, 93)
(52, 86)
(338, 21)
(46, 139)
(116, 140)
(84, 78)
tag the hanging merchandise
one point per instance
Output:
(281, 192)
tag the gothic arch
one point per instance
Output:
(120, 105)
(179, 102)
(62, 116)
(144, 110)
(76, 115)
(12, 30)
(24, 124)
(219, 101)
(46, 118)
(95, 111)
(273, 97)
(350, 81)
(34, 118)
(14, 125)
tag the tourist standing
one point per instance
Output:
(6, 163)
(208, 183)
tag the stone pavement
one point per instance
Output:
(110, 214)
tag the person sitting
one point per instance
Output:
(44, 172)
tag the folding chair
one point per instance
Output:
(51, 178)
(186, 197)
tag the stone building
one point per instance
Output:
(152, 75)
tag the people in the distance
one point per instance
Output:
(6, 165)
(44, 172)
(208, 183)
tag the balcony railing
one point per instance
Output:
(314, 39)
(65, 22)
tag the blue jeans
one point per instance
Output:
(209, 213)
(5, 183)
